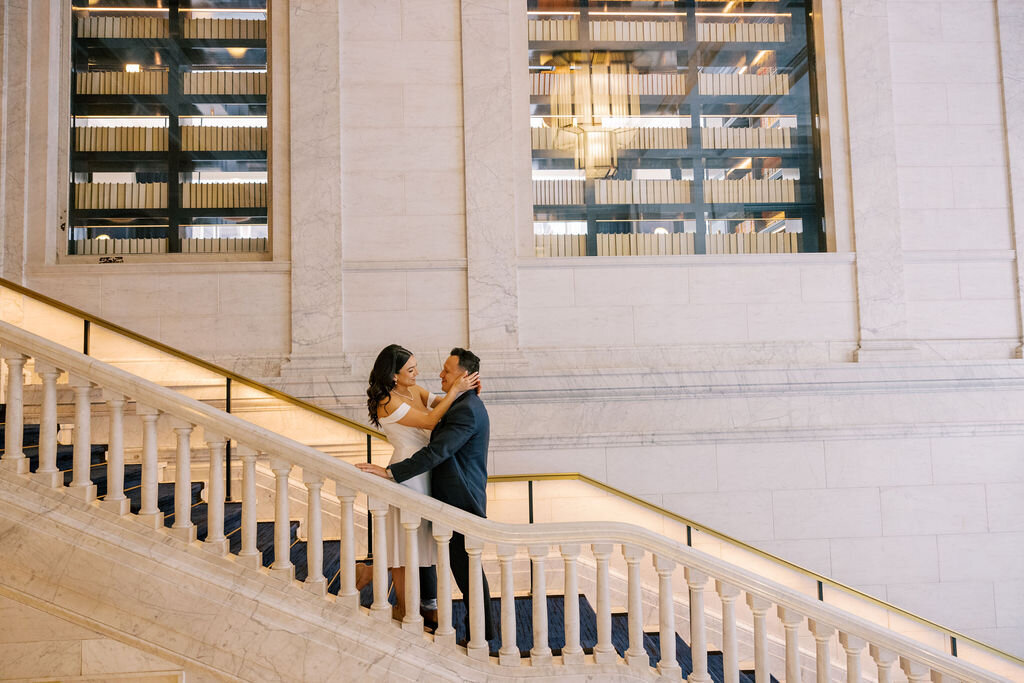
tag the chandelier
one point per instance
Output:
(584, 100)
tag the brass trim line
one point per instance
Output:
(576, 476)
(216, 369)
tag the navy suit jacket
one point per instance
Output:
(456, 456)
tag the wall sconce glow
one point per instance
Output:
(661, 231)
(237, 52)
(132, 68)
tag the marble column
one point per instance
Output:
(1010, 17)
(14, 80)
(881, 297)
(498, 211)
(48, 104)
(312, 59)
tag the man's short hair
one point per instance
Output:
(468, 360)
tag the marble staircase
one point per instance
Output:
(226, 590)
(331, 559)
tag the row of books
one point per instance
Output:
(223, 138)
(749, 190)
(743, 84)
(553, 29)
(158, 27)
(120, 195)
(645, 244)
(100, 246)
(753, 243)
(642, 191)
(122, 27)
(638, 31)
(560, 245)
(627, 138)
(550, 82)
(136, 245)
(746, 138)
(223, 195)
(655, 138)
(225, 83)
(656, 84)
(224, 29)
(559, 192)
(719, 32)
(223, 245)
(120, 139)
(122, 82)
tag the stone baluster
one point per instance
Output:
(636, 656)
(508, 655)
(823, 658)
(730, 657)
(249, 555)
(47, 472)
(884, 659)
(115, 500)
(315, 580)
(477, 647)
(604, 651)
(572, 652)
(183, 527)
(81, 483)
(668, 667)
(380, 607)
(282, 567)
(695, 581)
(150, 513)
(540, 653)
(215, 541)
(915, 671)
(348, 596)
(413, 620)
(445, 633)
(759, 606)
(14, 458)
(853, 646)
(791, 621)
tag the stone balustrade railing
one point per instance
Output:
(799, 614)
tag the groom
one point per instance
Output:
(456, 458)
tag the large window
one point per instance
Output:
(168, 128)
(673, 127)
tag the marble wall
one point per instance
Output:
(952, 171)
(404, 201)
(46, 646)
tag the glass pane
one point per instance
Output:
(663, 128)
(169, 128)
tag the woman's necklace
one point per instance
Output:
(408, 396)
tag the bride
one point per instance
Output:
(406, 413)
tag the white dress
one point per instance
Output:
(406, 441)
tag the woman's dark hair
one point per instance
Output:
(390, 361)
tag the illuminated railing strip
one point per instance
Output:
(576, 476)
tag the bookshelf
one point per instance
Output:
(169, 128)
(674, 127)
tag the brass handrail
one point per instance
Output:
(177, 353)
(576, 476)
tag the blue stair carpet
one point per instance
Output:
(331, 563)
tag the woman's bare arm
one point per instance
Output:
(427, 420)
